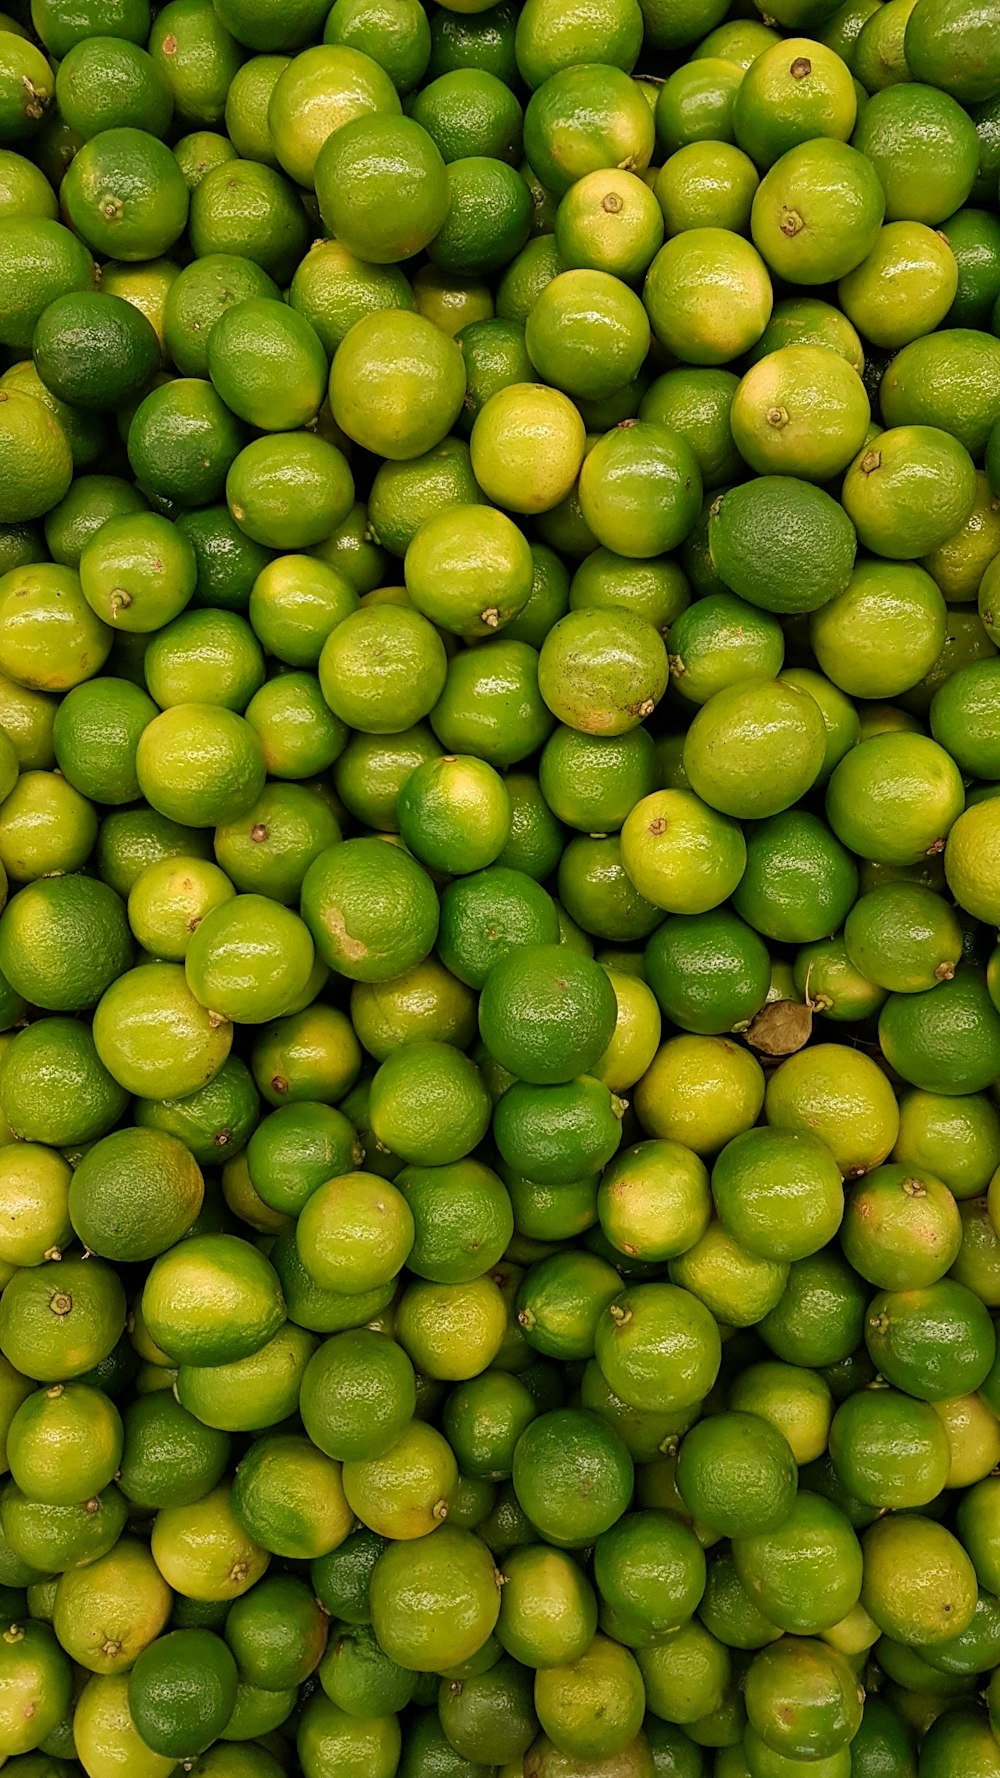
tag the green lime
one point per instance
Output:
(695, 103)
(894, 798)
(181, 1692)
(840, 1096)
(63, 940)
(204, 291)
(396, 35)
(36, 456)
(751, 529)
(817, 212)
(38, 1685)
(211, 1300)
(802, 1698)
(43, 260)
(674, 294)
(806, 1574)
(249, 1393)
(58, 1325)
(923, 148)
(100, 717)
(820, 1318)
(434, 1599)
(594, 1705)
(888, 1450)
(125, 195)
(288, 1498)
(170, 898)
(919, 1585)
(585, 117)
(572, 1475)
(778, 1192)
(78, 332)
(277, 1632)
(354, 1233)
(64, 1444)
(121, 1219)
(247, 210)
(54, 1087)
(397, 384)
(382, 187)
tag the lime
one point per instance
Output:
(914, 801)
(122, 1220)
(38, 1685)
(64, 1444)
(247, 210)
(736, 1475)
(396, 36)
(434, 1599)
(288, 1498)
(801, 410)
(920, 1585)
(935, 1342)
(382, 187)
(125, 195)
(212, 1300)
(267, 364)
(572, 1475)
(794, 92)
(751, 528)
(905, 286)
(594, 1705)
(63, 940)
(354, 1233)
(817, 212)
(920, 144)
(696, 103)
(43, 261)
(315, 95)
(54, 1087)
(889, 1450)
(806, 1574)
(101, 715)
(708, 332)
(397, 384)
(820, 1319)
(609, 221)
(583, 118)
(181, 1692)
(528, 443)
(78, 332)
(841, 1097)
(803, 1698)
(945, 1038)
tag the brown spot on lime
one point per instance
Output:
(935, 847)
(777, 416)
(800, 68)
(258, 833)
(914, 1188)
(944, 972)
(645, 707)
(791, 223)
(217, 1020)
(871, 461)
(278, 1083)
(657, 826)
(490, 617)
(238, 1573)
(170, 45)
(676, 664)
(112, 209)
(336, 925)
(612, 203)
(222, 1138)
(60, 1302)
(624, 425)
(238, 513)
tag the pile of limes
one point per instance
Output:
(500, 835)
